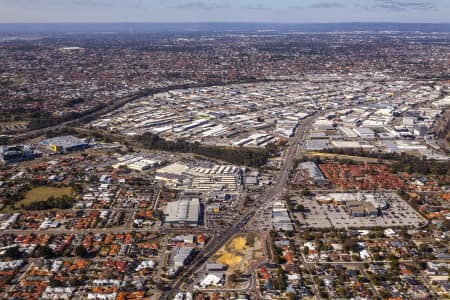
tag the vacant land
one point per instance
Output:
(43, 193)
(324, 155)
(239, 254)
(233, 253)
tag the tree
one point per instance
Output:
(13, 252)
(80, 251)
(291, 296)
(446, 225)
(232, 277)
(247, 200)
(306, 193)
(323, 293)
(350, 245)
(308, 236)
(78, 189)
(161, 286)
(306, 250)
(300, 208)
(45, 251)
(63, 202)
(76, 282)
(251, 240)
(241, 156)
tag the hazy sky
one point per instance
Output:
(225, 11)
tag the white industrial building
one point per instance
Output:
(314, 172)
(347, 144)
(181, 256)
(175, 169)
(317, 145)
(136, 163)
(183, 212)
(143, 165)
(280, 217)
(364, 132)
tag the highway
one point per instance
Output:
(238, 227)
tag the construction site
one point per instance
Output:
(238, 255)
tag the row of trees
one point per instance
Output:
(443, 129)
(45, 119)
(402, 162)
(411, 164)
(240, 156)
(43, 251)
(360, 152)
(63, 202)
(74, 102)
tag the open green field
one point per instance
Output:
(43, 193)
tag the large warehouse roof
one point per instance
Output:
(183, 211)
(176, 169)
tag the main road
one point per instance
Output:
(238, 227)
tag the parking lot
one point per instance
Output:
(328, 215)
(316, 216)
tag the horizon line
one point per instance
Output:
(221, 22)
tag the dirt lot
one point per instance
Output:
(238, 254)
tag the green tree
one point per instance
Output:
(45, 251)
(13, 252)
(292, 296)
(350, 245)
(300, 208)
(80, 251)
(306, 192)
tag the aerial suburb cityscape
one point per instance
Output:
(227, 158)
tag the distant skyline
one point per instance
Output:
(279, 11)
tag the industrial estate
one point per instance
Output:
(218, 165)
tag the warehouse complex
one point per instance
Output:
(183, 212)
(16, 153)
(66, 143)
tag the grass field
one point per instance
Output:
(341, 156)
(43, 193)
